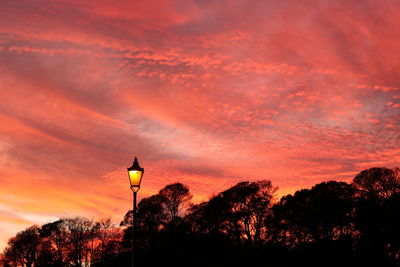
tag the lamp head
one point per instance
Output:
(135, 173)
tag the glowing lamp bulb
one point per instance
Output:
(135, 173)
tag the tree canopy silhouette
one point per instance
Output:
(175, 197)
(323, 212)
(378, 183)
(330, 224)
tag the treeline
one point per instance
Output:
(65, 242)
(331, 224)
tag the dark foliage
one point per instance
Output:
(331, 224)
(324, 212)
(66, 242)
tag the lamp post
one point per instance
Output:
(135, 173)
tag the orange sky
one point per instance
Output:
(208, 93)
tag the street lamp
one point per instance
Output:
(135, 174)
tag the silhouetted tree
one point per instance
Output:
(106, 244)
(151, 218)
(54, 239)
(326, 211)
(160, 227)
(377, 183)
(24, 248)
(377, 210)
(79, 232)
(65, 242)
(175, 197)
(240, 212)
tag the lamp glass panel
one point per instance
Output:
(135, 177)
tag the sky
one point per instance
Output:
(208, 93)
